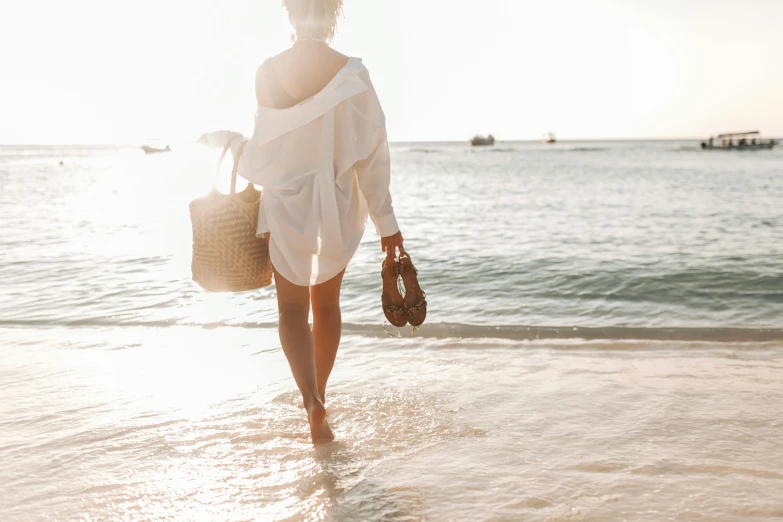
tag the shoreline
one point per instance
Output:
(150, 423)
(572, 334)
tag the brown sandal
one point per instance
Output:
(391, 298)
(415, 301)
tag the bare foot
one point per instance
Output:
(320, 431)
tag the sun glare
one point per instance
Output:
(584, 69)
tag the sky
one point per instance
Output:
(153, 71)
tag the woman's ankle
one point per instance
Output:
(311, 399)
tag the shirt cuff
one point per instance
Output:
(386, 225)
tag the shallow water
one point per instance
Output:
(187, 424)
(604, 342)
(634, 234)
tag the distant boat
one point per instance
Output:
(549, 137)
(152, 150)
(744, 141)
(482, 141)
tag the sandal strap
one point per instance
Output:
(422, 305)
(393, 308)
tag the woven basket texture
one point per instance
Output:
(227, 255)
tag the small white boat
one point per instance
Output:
(482, 141)
(549, 137)
(738, 141)
(153, 150)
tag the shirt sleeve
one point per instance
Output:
(374, 170)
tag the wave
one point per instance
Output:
(466, 331)
(15, 153)
(611, 333)
(487, 150)
(585, 149)
(422, 151)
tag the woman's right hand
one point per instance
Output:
(390, 244)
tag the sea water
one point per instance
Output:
(604, 341)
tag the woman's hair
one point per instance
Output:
(314, 19)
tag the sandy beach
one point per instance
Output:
(585, 197)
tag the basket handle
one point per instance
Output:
(234, 169)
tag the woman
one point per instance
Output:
(320, 152)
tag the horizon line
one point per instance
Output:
(497, 140)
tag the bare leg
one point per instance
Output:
(327, 327)
(293, 305)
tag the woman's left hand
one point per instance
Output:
(390, 244)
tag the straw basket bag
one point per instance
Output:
(227, 255)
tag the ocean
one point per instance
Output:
(604, 341)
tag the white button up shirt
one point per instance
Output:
(324, 167)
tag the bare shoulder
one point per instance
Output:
(302, 70)
(339, 57)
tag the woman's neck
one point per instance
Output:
(309, 41)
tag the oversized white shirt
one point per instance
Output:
(323, 165)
